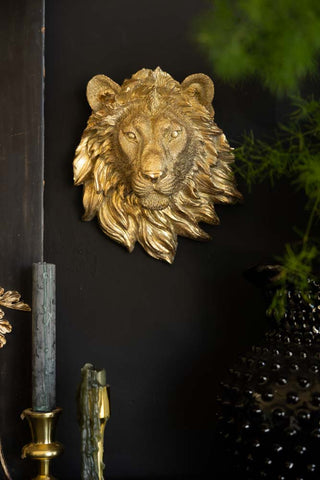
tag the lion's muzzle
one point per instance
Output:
(153, 176)
(152, 164)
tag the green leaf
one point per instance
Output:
(296, 271)
(278, 43)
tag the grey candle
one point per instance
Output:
(43, 337)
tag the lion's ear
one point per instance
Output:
(101, 90)
(199, 86)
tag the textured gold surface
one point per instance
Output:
(9, 299)
(152, 160)
(42, 448)
(104, 406)
(93, 414)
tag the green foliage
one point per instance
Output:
(296, 271)
(295, 154)
(258, 161)
(278, 42)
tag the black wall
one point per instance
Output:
(165, 334)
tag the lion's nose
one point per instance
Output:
(154, 175)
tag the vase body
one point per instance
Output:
(269, 414)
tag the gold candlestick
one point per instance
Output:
(42, 448)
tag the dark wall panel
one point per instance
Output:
(165, 334)
(21, 213)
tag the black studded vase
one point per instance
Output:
(269, 407)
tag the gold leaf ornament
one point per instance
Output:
(10, 299)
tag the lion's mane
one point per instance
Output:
(107, 192)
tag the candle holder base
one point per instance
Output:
(42, 448)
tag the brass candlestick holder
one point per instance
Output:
(43, 447)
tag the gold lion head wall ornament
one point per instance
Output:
(152, 160)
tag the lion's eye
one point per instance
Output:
(131, 135)
(175, 133)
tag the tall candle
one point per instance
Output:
(43, 337)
